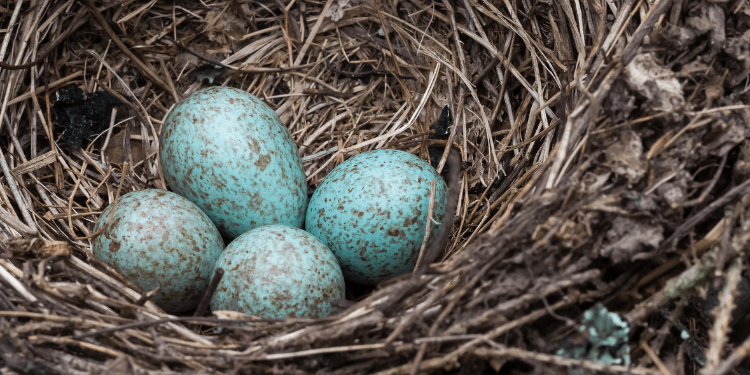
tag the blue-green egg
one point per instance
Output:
(157, 238)
(278, 271)
(371, 211)
(228, 152)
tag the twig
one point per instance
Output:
(704, 194)
(533, 357)
(453, 356)
(240, 70)
(142, 67)
(335, 349)
(111, 212)
(15, 283)
(659, 364)
(428, 224)
(438, 245)
(734, 359)
(644, 29)
(203, 305)
(738, 191)
(30, 227)
(355, 75)
(74, 25)
(676, 287)
(484, 73)
(148, 323)
(718, 334)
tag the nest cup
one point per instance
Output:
(604, 180)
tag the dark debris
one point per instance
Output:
(82, 114)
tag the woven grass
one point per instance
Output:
(605, 160)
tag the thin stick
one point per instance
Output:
(74, 25)
(111, 212)
(687, 225)
(428, 224)
(241, 70)
(313, 32)
(711, 185)
(50, 86)
(532, 357)
(436, 363)
(719, 332)
(142, 67)
(734, 359)
(454, 170)
(659, 364)
(203, 305)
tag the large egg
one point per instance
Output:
(228, 152)
(371, 211)
(278, 271)
(159, 239)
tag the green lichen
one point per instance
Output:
(689, 279)
(696, 353)
(607, 340)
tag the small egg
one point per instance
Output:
(228, 152)
(371, 211)
(278, 271)
(159, 239)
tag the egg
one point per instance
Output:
(371, 211)
(157, 238)
(278, 271)
(228, 152)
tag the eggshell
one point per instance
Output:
(278, 271)
(159, 239)
(228, 152)
(371, 211)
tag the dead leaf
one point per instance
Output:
(593, 181)
(606, 203)
(224, 27)
(572, 234)
(629, 237)
(114, 152)
(739, 48)
(497, 363)
(671, 193)
(336, 11)
(725, 134)
(646, 76)
(709, 18)
(620, 102)
(625, 156)
(678, 37)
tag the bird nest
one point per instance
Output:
(602, 203)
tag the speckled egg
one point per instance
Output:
(371, 211)
(159, 239)
(278, 271)
(228, 152)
